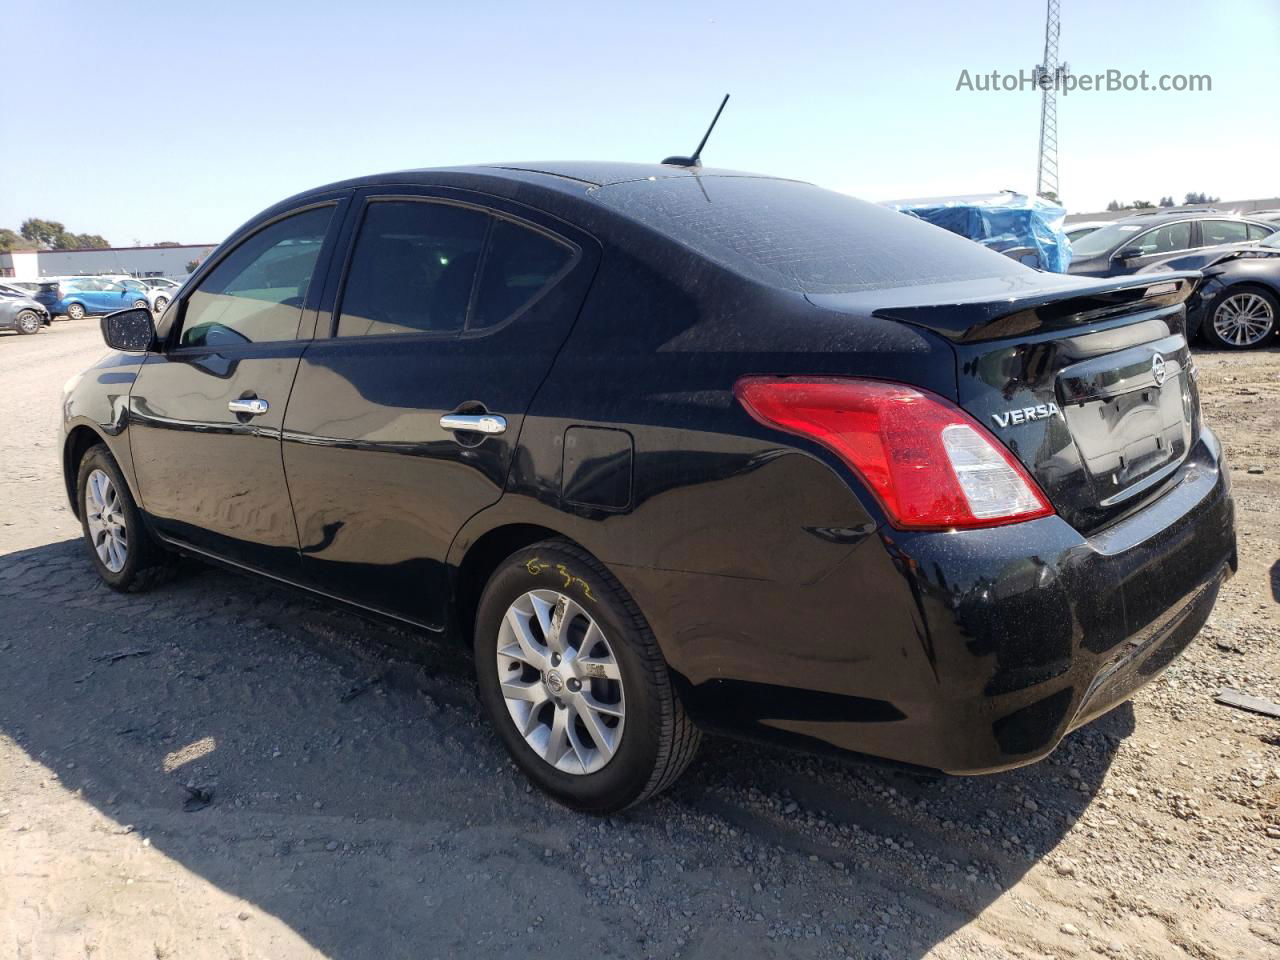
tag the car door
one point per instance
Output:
(84, 292)
(205, 413)
(408, 404)
(1155, 245)
(110, 297)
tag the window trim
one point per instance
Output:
(466, 333)
(172, 342)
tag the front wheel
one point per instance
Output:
(75, 311)
(1243, 319)
(123, 553)
(161, 303)
(141, 305)
(572, 679)
(29, 322)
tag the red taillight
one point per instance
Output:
(928, 462)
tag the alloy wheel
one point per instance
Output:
(161, 303)
(28, 322)
(561, 682)
(1244, 319)
(75, 311)
(141, 305)
(106, 521)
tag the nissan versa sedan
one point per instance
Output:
(675, 450)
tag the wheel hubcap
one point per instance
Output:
(29, 322)
(75, 311)
(105, 515)
(561, 682)
(1243, 319)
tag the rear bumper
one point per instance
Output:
(987, 647)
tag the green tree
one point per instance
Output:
(1166, 201)
(80, 241)
(1143, 205)
(9, 240)
(51, 235)
(42, 233)
(1114, 205)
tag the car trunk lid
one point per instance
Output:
(1089, 384)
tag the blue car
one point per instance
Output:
(81, 296)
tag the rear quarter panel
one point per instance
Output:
(744, 547)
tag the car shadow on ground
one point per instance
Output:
(357, 795)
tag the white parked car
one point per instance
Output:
(158, 290)
(163, 290)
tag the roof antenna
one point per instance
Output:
(695, 160)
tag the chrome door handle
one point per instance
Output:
(253, 406)
(489, 423)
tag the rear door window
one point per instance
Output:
(519, 265)
(1223, 231)
(413, 269)
(1257, 231)
(256, 293)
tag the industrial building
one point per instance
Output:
(176, 261)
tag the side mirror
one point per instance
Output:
(1130, 253)
(129, 331)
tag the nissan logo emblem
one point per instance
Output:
(1157, 369)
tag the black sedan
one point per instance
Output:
(676, 449)
(1128, 245)
(20, 313)
(1237, 304)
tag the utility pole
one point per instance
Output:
(1049, 74)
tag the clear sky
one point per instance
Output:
(177, 121)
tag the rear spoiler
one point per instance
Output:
(1047, 310)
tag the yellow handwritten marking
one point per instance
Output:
(570, 580)
(536, 566)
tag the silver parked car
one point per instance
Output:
(19, 312)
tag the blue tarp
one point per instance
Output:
(1002, 221)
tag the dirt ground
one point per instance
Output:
(390, 824)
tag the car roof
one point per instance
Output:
(569, 177)
(1156, 217)
(603, 173)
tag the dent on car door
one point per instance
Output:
(446, 308)
(205, 413)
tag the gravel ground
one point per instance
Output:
(359, 807)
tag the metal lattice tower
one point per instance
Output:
(1049, 75)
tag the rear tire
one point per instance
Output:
(1244, 318)
(122, 550)
(29, 322)
(161, 303)
(607, 658)
(141, 305)
(75, 311)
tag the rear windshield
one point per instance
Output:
(801, 237)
